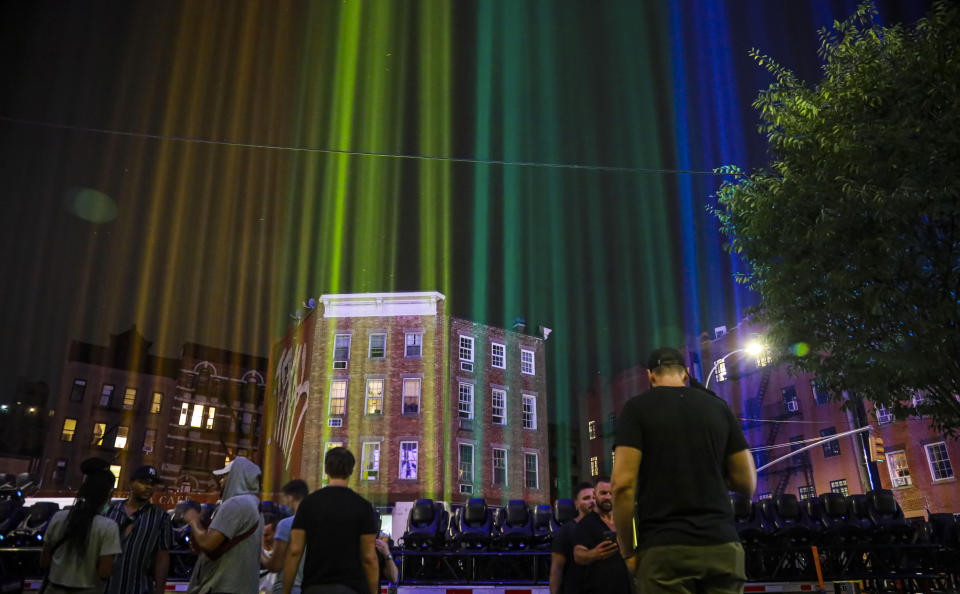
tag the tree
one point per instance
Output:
(851, 233)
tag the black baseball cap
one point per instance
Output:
(665, 356)
(147, 474)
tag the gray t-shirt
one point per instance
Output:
(79, 569)
(238, 570)
(284, 527)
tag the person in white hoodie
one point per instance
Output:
(228, 551)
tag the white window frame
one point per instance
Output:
(721, 369)
(419, 344)
(815, 390)
(344, 361)
(368, 398)
(120, 440)
(592, 429)
(211, 417)
(528, 367)
(917, 398)
(184, 413)
(331, 398)
(529, 412)
(365, 473)
(370, 345)
(464, 351)
(498, 411)
(416, 459)
(133, 398)
(931, 462)
(405, 395)
(463, 476)
(810, 488)
(465, 407)
(536, 470)
(494, 468)
(106, 396)
(498, 352)
(899, 473)
(837, 487)
(883, 415)
(594, 466)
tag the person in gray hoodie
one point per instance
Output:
(228, 551)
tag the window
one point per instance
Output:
(592, 429)
(807, 491)
(69, 429)
(796, 442)
(184, 410)
(414, 345)
(529, 411)
(839, 486)
(129, 397)
(120, 441)
(899, 471)
(106, 395)
(155, 404)
(330, 446)
(594, 466)
(820, 395)
(197, 419)
(370, 465)
(115, 469)
(498, 355)
(338, 397)
(211, 416)
(939, 460)
(149, 440)
(527, 362)
(341, 351)
(378, 346)
(98, 430)
(465, 463)
(465, 405)
(60, 472)
(530, 477)
(499, 405)
(832, 447)
(765, 496)
(721, 369)
(375, 397)
(411, 396)
(466, 348)
(499, 467)
(246, 423)
(79, 387)
(883, 415)
(790, 401)
(408, 460)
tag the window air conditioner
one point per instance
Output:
(792, 406)
(335, 422)
(466, 489)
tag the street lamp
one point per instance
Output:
(753, 348)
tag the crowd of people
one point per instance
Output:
(661, 523)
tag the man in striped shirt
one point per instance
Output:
(145, 536)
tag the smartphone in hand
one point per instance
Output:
(610, 535)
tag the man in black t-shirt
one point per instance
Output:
(602, 570)
(679, 450)
(338, 529)
(564, 576)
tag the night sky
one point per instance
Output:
(303, 190)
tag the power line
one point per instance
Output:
(781, 421)
(405, 156)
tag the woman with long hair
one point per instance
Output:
(81, 543)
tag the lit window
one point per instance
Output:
(120, 442)
(765, 496)
(375, 397)
(527, 362)
(839, 486)
(408, 460)
(807, 491)
(129, 397)
(531, 477)
(370, 461)
(411, 396)
(594, 466)
(592, 429)
(499, 467)
(184, 411)
(69, 428)
(883, 415)
(106, 394)
(465, 404)
(498, 355)
(378, 346)
(465, 463)
(721, 366)
(115, 469)
(499, 406)
(939, 460)
(197, 419)
(529, 411)
(98, 430)
(156, 403)
(832, 447)
(899, 470)
(341, 351)
(211, 417)
(79, 387)
(466, 348)
(414, 344)
(338, 397)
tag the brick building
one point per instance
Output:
(120, 403)
(431, 405)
